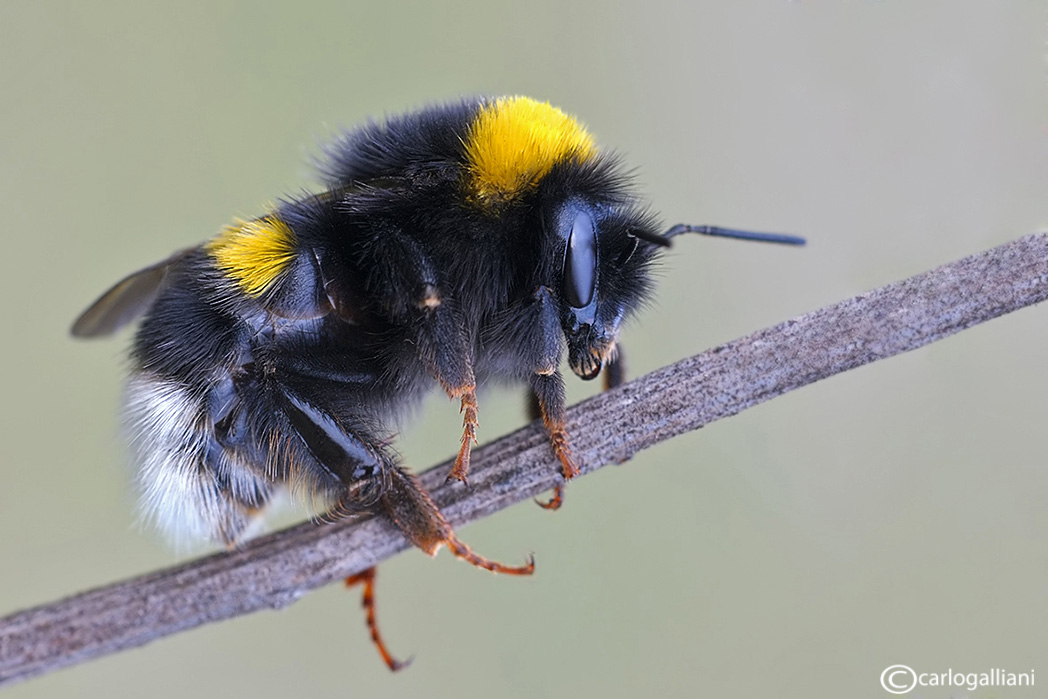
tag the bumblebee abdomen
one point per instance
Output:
(186, 335)
(191, 489)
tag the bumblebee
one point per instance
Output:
(463, 243)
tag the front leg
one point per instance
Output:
(541, 347)
(549, 395)
(546, 401)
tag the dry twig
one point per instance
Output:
(275, 570)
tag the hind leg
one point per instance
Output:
(372, 482)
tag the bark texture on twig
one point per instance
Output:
(275, 570)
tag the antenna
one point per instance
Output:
(779, 238)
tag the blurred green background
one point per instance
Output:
(894, 514)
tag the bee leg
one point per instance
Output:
(548, 389)
(615, 369)
(407, 282)
(542, 346)
(443, 349)
(367, 579)
(614, 375)
(338, 457)
(411, 508)
(615, 372)
(468, 408)
(372, 482)
(445, 352)
(554, 503)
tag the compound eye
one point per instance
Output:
(580, 262)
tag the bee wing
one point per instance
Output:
(126, 300)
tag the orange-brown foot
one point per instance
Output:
(562, 450)
(465, 553)
(469, 432)
(367, 579)
(554, 502)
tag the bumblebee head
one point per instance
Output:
(602, 255)
(524, 155)
(596, 248)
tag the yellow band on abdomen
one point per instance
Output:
(254, 253)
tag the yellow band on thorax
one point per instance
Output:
(515, 141)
